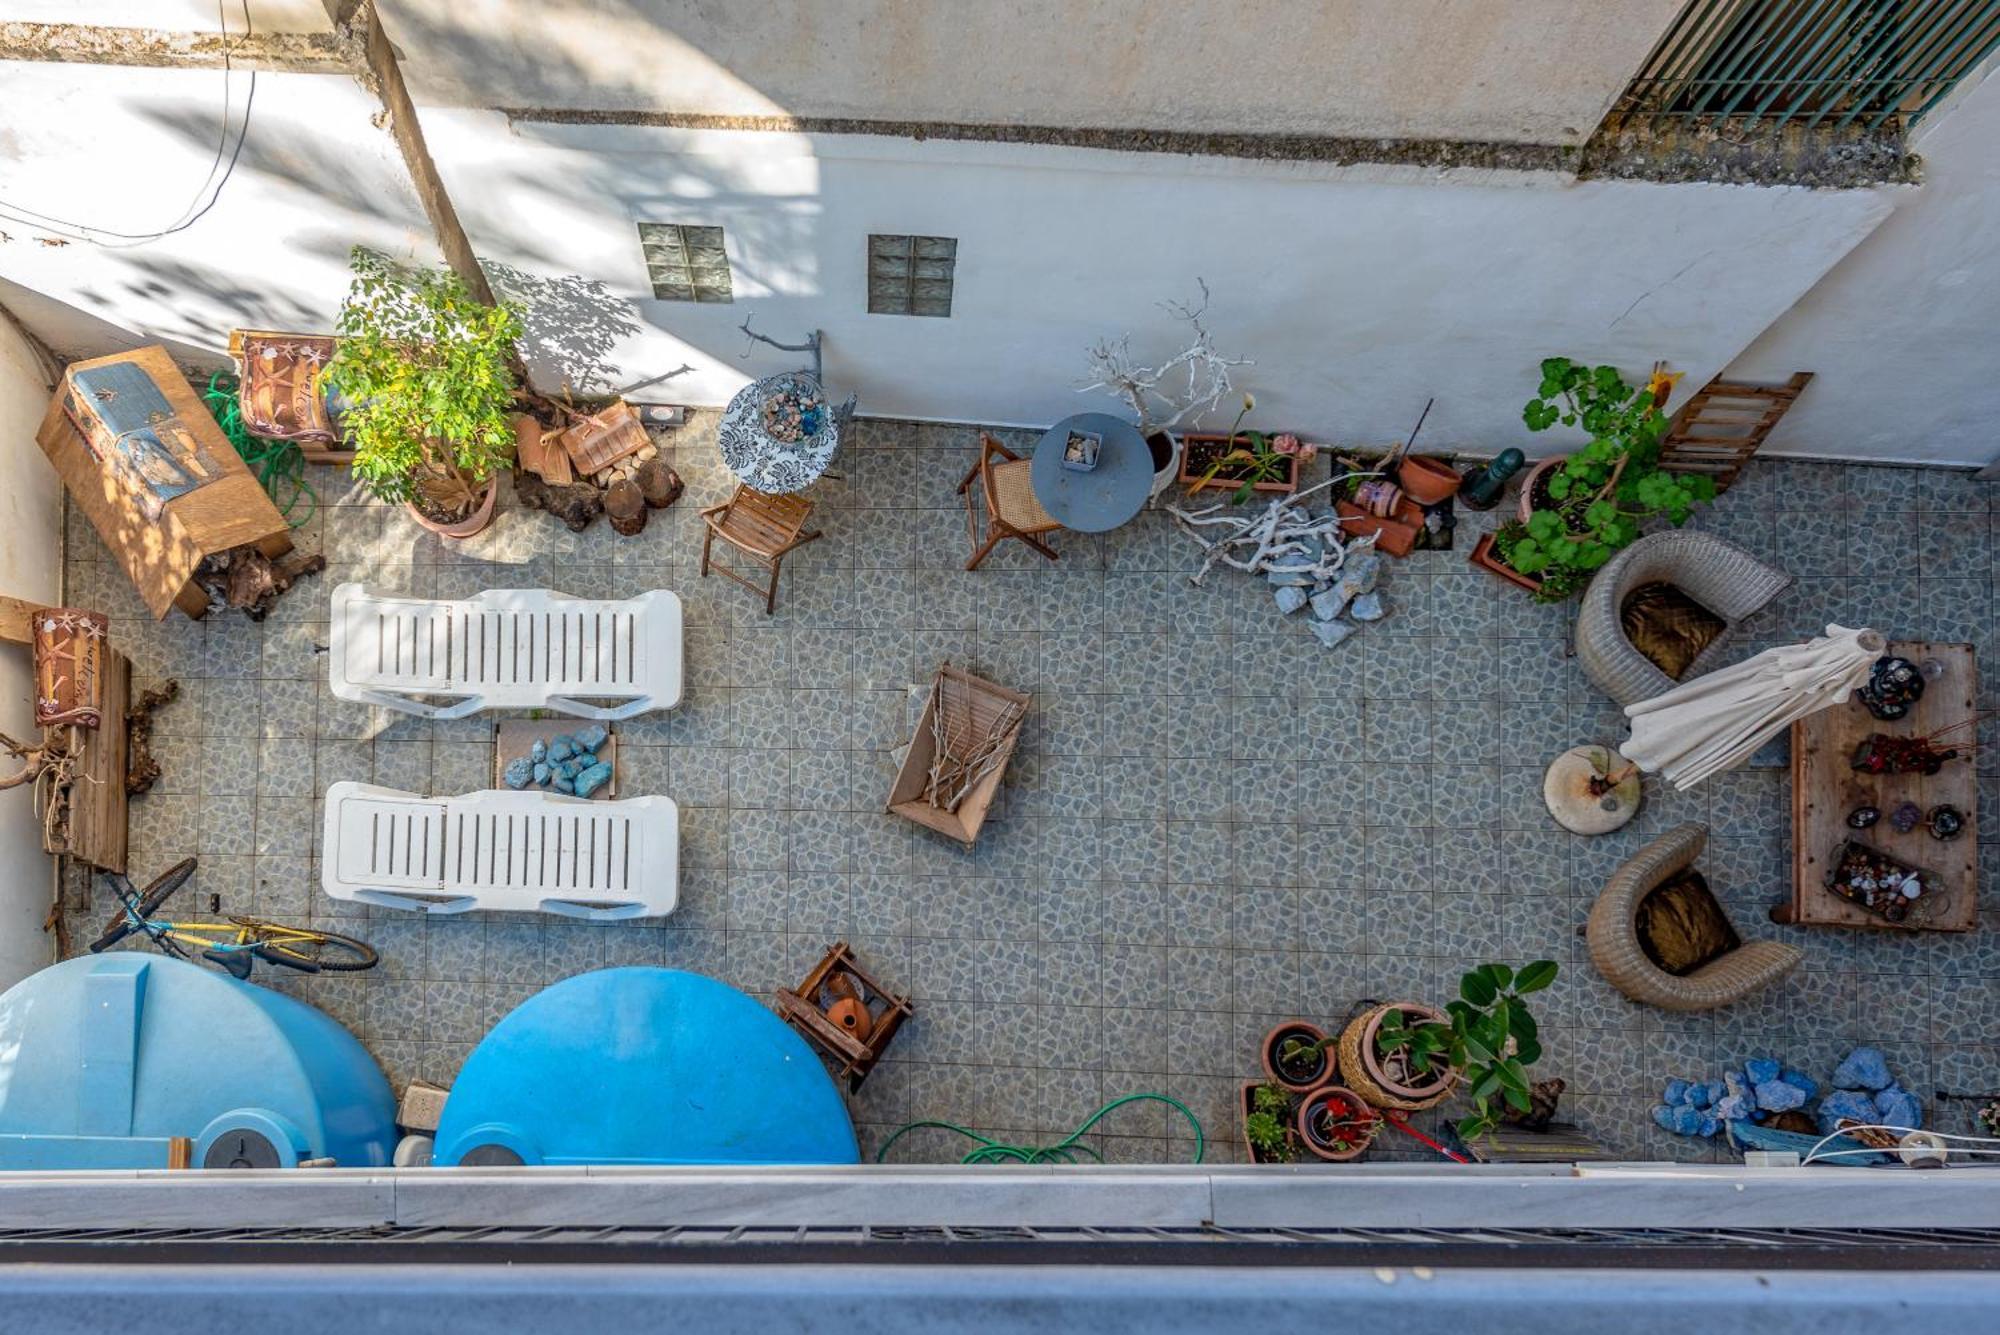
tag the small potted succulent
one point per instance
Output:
(1298, 1056)
(1269, 1132)
(429, 371)
(1336, 1124)
(1578, 510)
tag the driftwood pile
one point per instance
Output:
(591, 464)
(248, 580)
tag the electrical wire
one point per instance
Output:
(76, 231)
(1070, 1149)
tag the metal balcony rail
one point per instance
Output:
(1835, 64)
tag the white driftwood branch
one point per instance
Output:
(1184, 388)
(1277, 537)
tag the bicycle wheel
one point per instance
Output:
(156, 894)
(310, 952)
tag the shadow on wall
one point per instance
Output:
(570, 326)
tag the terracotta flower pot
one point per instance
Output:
(466, 527)
(1336, 1124)
(1362, 1069)
(1536, 471)
(1486, 555)
(1427, 480)
(1190, 475)
(1322, 1070)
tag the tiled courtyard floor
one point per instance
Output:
(1212, 822)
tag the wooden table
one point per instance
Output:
(1825, 787)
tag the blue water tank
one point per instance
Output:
(643, 1066)
(105, 1058)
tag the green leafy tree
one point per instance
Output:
(1604, 491)
(429, 369)
(1489, 1038)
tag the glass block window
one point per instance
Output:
(911, 275)
(685, 262)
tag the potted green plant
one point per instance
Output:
(1268, 1122)
(1485, 1041)
(1297, 1056)
(1580, 509)
(1336, 1124)
(429, 370)
(1250, 461)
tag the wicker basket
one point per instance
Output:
(1360, 1031)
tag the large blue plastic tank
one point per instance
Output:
(643, 1066)
(104, 1058)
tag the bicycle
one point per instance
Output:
(233, 944)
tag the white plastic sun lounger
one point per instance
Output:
(523, 852)
(507, 649)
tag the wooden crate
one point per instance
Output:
(906, 796)
(163, 496)
(98, 811)
(1825, 788)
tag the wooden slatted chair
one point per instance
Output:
(763, 528)
(1011, 508)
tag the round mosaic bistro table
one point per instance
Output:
(762, 461)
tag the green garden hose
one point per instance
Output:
(280, 465)
(1070, 1149)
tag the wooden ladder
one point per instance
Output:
(1717, 430)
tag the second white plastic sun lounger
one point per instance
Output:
(507, 649)
(526, 852)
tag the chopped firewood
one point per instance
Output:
(245, 578)
(576, 505)
(142, 768)
(625, 507)
(660, 484)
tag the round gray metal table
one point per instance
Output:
(1106, 496)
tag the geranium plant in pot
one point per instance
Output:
(1336, 1123)
(1297, 1056)
(429, 370)
(1584, 508)
(1486, 1039)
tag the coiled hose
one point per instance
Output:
(1070, 1149)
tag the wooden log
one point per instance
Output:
(660, 485)
(95, 829)
(576, 505)
(142, 767)
(625, 507)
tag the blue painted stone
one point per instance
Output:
(561, 748)
(1803, 1082)
(1736, 1101)
(1290, 598)
(1676, 1091)
(520, 770)
(590, 738)
(1845, 1103)
(1328, 603)
(538, 751)
(1331, 633)
(1362, 572)
(542, 772)
(1710, 1124)
(1714, 1092)
(1368, 607)
(561, 784)
(1290, 576)
(1679, 1119)
(572, 767)
(592, 779)
(1697, 1096)
(1896, 1106)
(1777, 1096)
(1761, 1070)
(1863, 1068)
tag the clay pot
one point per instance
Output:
(1322, 1070)
(853, 1017)
(1333, 1114)
(466, 527)
(1487, 557)
(1427, 480)
(1528, 479)
(1362, 1069)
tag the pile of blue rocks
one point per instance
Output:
(1863, 1091)
(566, 762)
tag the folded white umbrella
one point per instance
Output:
(1718, 720)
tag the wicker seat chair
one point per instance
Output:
(1719, 575)
(1011, 508)
(1612, 934)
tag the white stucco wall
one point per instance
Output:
(30, 567)
(173, 15)
(127, 148)
(1535, 71)
(1358, 293)
(1903, 333)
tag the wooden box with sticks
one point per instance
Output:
(954, 764)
